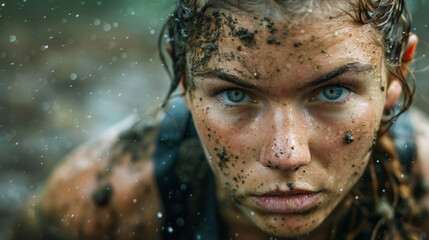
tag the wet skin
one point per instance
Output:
(276, 117)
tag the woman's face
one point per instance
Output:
(287, 117)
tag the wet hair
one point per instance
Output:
(391, 19)
(389, 215)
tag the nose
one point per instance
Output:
(287, 143)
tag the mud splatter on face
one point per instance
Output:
(349, 138)
(245, 36)
(207, 35)
(290, 185)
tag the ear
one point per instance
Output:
(393, 93)
(410, 50)
(395, 89)
(184, 92)
(169, 48)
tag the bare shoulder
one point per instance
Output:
(421, 128)
(106, 188)
(421, 166)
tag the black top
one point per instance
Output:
(177, 191)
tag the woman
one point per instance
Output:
(287, 134)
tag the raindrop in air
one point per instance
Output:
(73, 76)
(97, 22)
(107, 27)
(159, 215)
(12, 38)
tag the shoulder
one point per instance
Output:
(421, 164)
(103, 189)
(421, 131)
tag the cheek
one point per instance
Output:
(344, 144)
(225, 152)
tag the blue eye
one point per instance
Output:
(333, 93)
(234, 96)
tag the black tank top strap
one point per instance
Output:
(173, 129)
(176, 128)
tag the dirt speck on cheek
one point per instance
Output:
(348, 138)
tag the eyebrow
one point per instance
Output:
(223, 75)
(348, 67)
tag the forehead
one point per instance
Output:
(263, 46)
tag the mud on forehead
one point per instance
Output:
(239, 31)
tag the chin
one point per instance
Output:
(290, 225)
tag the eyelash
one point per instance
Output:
(215, 92)
(350, 88)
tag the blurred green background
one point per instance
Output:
(71, 69)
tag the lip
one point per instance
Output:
(287, 202)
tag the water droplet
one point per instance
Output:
(170, 229)
(12, 38)
(252, 213)
(159, 215)
(152, 31)
(97, 22)
(73, 76)
(341, 189)
(134, 200)
(107, 27)
(356, 197)
(44, 47)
